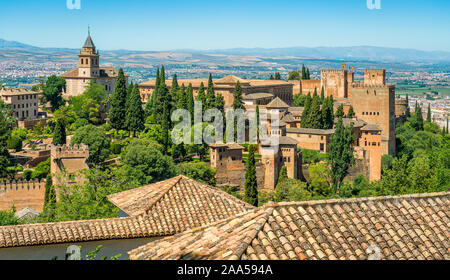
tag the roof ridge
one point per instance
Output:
(224, 193)
(258, 227)
(357, 199)
(161, 195)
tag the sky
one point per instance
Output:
(199, 24)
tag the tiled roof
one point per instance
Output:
(105, 72)
(161, 209)
(230, 146)
(348, 121)
(16, 91)
(231, 80)
(79, 231)
(256, 96)
(371, 127)
(296, 130)
(181, 202)
(277, 103)
(389, 228)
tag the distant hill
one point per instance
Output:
(353, 53)
(360, 52)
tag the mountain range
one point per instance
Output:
(358, 52)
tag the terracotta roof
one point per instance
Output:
(371, 127)
(256, 96)
(16, 91)
(313, 131)
(402, 227)
(231, 80)
(231, 146)
(277, 103)
(296, 111)
(161, 209)
(79, 231)
(105, 72)
(196, 83)
(285, 140)
(355, 122)
(181, 202)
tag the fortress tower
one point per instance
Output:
(375, 77)
(68, 160)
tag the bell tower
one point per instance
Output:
(89, 59)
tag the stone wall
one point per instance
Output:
(22, 194)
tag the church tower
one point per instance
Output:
(89, 60)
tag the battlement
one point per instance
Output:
(21, 185)
(68, 151)
(371, 86)
(379, 71)
(333, 71)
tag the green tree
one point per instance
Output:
(322, 94)
(144, 161)
(408, 110)
(294, 75)
(277, 76)
(237, 102)
(49, 200)
(5, 132)
(304, 77)
(419, 118)
(327, 113)
(210, 95)
(340, 157)
(88, 200)
(59, 135)
(201, 97)
(8, 218)
(135, 113)
(118, 111)
(165, 128)
(281, 189)
(182, 98)
(53, 91)
(315, 113)
(308, 75)
(305, 123)
(351, 113)
(340, 112)
(150, 106)
(97, 141)
(250, 185)
(299, 100)
(199, 171)
(190, 101)
(271, 77)
(320, 186)
(429, 114)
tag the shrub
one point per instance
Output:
(27, 174)
(116, 148)
(14, 143)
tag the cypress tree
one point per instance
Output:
(271, 77)
(281, 192)
(49, 198)
(277, 76)
(306, 112)
(59, 136)
(117, 112)
(408, 111)
(339, 112)
(322, 94)
(250, 186)
(210, 94)
(165, 127)
(429, 114)
(315, 114)
(351, 113)
(162, 99)
(257, 121)
(327, 113)
(182, 102)
(308, 76)
(220, 104)
(201, 97)
(303, 72)
(340, 156)
(419, 118)
(190, 101)
(135, 120)
(149, 107)
(237, 102)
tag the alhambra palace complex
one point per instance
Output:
(374, 124)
